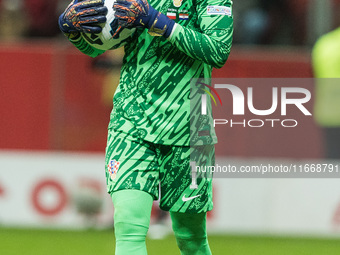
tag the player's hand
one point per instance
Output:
(138, 13)
(83, 16)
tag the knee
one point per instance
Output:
(190, 233)
(132, 211)
(130, 223)
(190, 241)
(189, 226)
(130, 231)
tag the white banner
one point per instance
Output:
(289, 206)
(53, 189)
(68, 190)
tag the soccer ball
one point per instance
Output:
(104, 40)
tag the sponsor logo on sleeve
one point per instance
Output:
(218, 10)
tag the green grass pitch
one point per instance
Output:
(59, 242)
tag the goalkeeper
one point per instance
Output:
(149, 132)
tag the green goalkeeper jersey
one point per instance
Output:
(153, 98)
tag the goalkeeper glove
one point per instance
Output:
(82, 16)
(138, 13)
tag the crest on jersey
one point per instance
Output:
(177, 3)
(113, 167)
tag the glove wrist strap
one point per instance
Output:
(159, 24)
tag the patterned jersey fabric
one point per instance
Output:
(152, 101)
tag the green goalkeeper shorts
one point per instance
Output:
(132, 163)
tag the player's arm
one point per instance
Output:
(83, 16)
(210, 44)
(213, 42)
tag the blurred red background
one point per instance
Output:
(52, 99)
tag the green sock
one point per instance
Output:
(190, 232)
(132, 210)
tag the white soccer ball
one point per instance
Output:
(104, 40)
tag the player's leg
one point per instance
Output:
(190, 232)
(131, 221)
(187, 196)
(132, 180)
